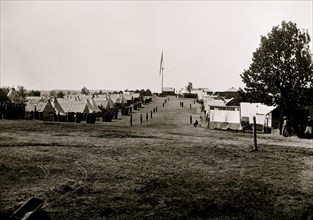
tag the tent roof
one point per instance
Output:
(12, 94)
(40, 105)
(73, 106)
(255, 108)
(57, 107)
(128, 97)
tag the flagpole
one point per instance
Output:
(162, 80)
(161, 71)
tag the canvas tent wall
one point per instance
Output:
(224, 117)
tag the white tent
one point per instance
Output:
(225, 117)
(259, 110)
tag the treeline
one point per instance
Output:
(22, 93)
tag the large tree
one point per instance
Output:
(281, 72)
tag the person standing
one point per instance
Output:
(308, 128)
(285, 128)
(131, 120)
(141, 119)
(190, 119)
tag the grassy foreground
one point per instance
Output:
(163, 169)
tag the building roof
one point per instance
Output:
(232, 89)
(217, 101)
(168, 89)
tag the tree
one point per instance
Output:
(281, 72)
(142, 92)
(189, 87)
(4, 94)
(34, 93)
(148, 92)
(60, 94)
(53, 93)
(21, 94)
(85, 91)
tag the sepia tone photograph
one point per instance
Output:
(156, 109)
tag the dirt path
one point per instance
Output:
(171, 114)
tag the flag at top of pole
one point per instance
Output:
(161, 63)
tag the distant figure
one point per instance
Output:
(163, 104)
(131, 120)
(147, 117)
(153, 110)
(195, 124)
(156, 109)
(285, 128)
(190, 119)
(182, 104)
(141, 119)
(190, 106)
(308, 128)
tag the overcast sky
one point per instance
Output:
(118, 45)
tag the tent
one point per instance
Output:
(41, 109)
(224, 117)
(12, 94)
(262, 113)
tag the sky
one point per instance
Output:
(117, 45)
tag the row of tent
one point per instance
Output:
(72, 107)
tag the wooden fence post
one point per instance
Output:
(254, 134)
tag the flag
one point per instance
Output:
(161, 63)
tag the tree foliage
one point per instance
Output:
(189, 87)
(4, 94)
(53, 93)
(85, 91)
(60, 94)
(21, 94)
(281, 72)
(34, 93)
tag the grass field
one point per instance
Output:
(162, 169)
